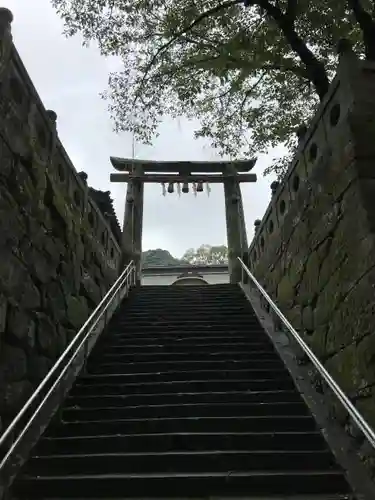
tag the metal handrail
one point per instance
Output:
(124, 281)
(341, 396)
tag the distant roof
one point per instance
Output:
(189, 279)
(190, 274)
(126, 165)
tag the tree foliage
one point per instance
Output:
(159, 257)
(250, 71)
(206, 255)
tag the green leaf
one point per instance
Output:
(233, 69)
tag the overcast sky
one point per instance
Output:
(69, 79)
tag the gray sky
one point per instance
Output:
(69, 79)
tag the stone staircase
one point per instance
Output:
(184, 396)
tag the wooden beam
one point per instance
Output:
(180, 167)
(166, 178)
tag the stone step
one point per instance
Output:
(184, 395)
(104, 385)
(159, 348)
(182, 331)
(185, 375)
(182, 398)
(181, 322)
(87, 412)
(172, 485)
(181, 462)
(184, 441)
(155, 354)
(178, 339)
(186, 365)
(261, 423)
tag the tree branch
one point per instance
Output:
(192, 62)
(315, 69)
(367, 25)
(220, 96)
(250, 91)
(198, 20)
(243, 64)
(238, 64)
(292, 10)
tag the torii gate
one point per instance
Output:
(137, 172)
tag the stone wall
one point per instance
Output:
(314, 250)
(58, 255)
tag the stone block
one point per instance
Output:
(322, 219)
(54, 249)
(21, 328)
(324, 248)
(92, 291)
(22, 189)
(38, 367)
(46, 336)
(327, 301)
(336, 258)
(62, 339)
(37, 233)
(365, 405)
(309, 282)
(13, 364)
(12, 274)
(7, 160)
(297, 268)
(354, 318)
(54, 300)
(353, 367)
(3, 313)
(366, 359)
(285, 294)
(77, 311)
(30, 296)
(366, 189)
(70, 276)
(13, 396)
(299, 239)
(16, 282)
(363, 132)
(294, 317)
(70, 335)
(308, 318)
(317, 342)
(12, 226)
(286, 229)
(36, 261)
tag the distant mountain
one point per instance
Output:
(159, 257)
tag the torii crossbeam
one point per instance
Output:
(136, 172)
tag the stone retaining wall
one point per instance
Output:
(314, 250)
(58, 255)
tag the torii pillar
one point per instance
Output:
(133, 223)
(235, 222)
(137, 172)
